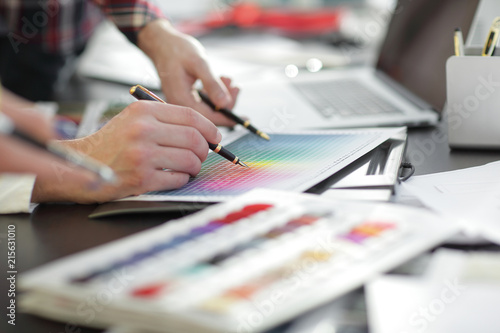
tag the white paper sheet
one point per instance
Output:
(471, 196)
(455, 295)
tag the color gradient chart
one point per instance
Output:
(289, 161)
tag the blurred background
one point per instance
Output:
(251, 39)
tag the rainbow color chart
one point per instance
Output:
(289, 161)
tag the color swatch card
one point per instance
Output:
(245, 265)
(289, 161)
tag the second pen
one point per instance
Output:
(141, 93)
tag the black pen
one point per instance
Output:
(139, 92)
(107, 174)
(229, 114)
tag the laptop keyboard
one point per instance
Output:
(344, 98)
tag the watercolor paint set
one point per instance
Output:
(245, 265)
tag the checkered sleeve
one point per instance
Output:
(130, 15)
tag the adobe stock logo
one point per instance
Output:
(30, 28)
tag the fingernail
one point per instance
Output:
(223, 99)
(219, 136)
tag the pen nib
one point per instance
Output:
(264, 136)
(243, 164)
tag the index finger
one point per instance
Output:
(181, 115)
(180, 92)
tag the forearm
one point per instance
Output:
(65, 187)
(160, 40)
(11, 100)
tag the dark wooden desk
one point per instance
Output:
(56, 230)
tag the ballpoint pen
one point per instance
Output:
(107, 174)
(227, 113)
(141, 93)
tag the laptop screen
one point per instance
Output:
(419, 40)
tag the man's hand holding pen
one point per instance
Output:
(139, 144)
(180, 61)
(142, 93)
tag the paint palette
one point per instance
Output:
(289, 162)
(242, 266)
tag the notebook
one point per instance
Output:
(406, 87)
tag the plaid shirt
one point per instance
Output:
(63, 26)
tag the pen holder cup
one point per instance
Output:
(473, 102)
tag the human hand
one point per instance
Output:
(180, 61)
(18, 156)
(139, 144)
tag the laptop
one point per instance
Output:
(407, 87)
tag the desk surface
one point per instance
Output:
(54, 231)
